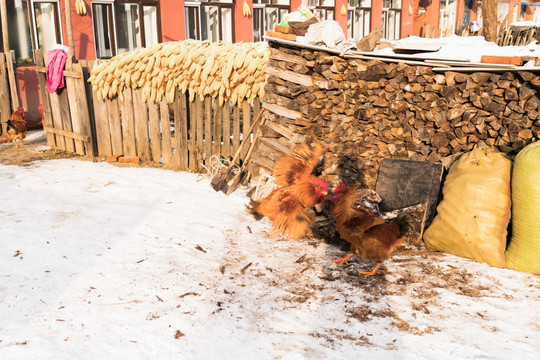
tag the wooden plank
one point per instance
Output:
(78, 137)
(246, 122)
(166, 132)
(181, 130)
(226, 124)
(236, 127)
(82, 124)
(276, 144)
(291, 76)
(402, 183)
(128, 124)
(5, 106)
(115, 127)
(10, 55)
(103, 137)
(140, 112)
(155, 133)
(208, 129)
(67, 73)
(295, 59)
(45, 101)
(87, 66)
(281, 111)
(56, 120)
(192, 127)
(65, 117)
(216, 131)
(75, 110)
(199, 136)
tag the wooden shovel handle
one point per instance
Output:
(237, 154)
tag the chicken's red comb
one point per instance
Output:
(321, 183)
(340, 188)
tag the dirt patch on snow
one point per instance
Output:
(35, 149)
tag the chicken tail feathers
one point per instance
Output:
(252, 207)
(405, 222)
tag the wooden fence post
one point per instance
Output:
(5, 106)
(165, 132)
(128, 124)
(181, 130)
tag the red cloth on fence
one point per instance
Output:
(55, 69)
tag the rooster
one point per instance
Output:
(16, 127)
(370, 235)
(289, 206)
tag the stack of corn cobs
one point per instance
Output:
(225, 71)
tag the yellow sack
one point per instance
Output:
(524, 250)
(473, 216)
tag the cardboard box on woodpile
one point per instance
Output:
(294, 24)
(282, 32)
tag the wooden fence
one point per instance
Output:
(182, 135)
(9, 100)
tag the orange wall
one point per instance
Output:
(83, 35)
(243, 26)
(172, 20)
(341, 19)
(28, 86)
(427, 21)
(376, 14)
(407, 18)
(295, 4)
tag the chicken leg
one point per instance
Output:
(344, 261)
(372, 272)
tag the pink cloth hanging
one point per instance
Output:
(55, 69)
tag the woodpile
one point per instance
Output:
(365, 110)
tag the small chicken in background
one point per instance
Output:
(16, 127)
(289, 206)
(359, 223)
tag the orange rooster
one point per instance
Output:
(289, 207)
(16, 127)
(370, 235)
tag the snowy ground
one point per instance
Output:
(98, 261)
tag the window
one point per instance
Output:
(391, 19)
(358, 18)
(209, 20)
(121, 26)
(447, 18)
(46, 24)
(323, 9)
(103, 24)
(266, 14)
(19, 31)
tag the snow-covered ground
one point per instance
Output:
(103, 262)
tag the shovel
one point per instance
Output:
(224, 180)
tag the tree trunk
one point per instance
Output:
(489, 19)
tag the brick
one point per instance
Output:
(113, 158)
(131, 159)
(512, 60)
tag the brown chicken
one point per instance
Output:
(289, 207)
(16, 127)
(370, 235)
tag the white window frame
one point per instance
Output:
(34, 24)
(104, 2)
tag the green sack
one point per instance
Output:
(474, 214)
(523, 253)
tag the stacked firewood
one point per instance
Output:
(367, 110)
